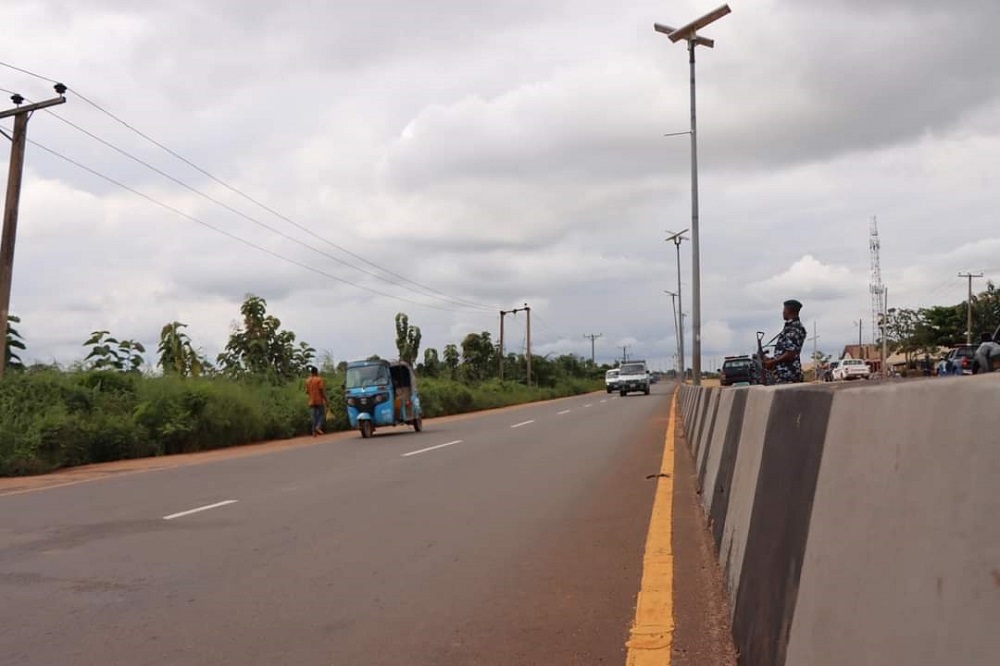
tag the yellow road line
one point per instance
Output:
(651, 636)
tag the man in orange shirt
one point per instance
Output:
(316, 390)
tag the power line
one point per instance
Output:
(229, 234)
(249, 198)
(249, 218)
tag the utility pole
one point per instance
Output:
(860, 347)
(814, 338)
(502, 313)
(968, 326)
(625, 353)
(677, 239)
(528, 310)
(593, 337)
(514, 312)
(885, 327)
(18, 140)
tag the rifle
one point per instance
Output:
(760, 358)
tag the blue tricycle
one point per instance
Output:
(381, 393)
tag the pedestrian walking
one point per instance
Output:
(786, 365)
(316, 390)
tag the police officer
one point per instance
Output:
(786, 365)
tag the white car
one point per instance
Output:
(852, 368)
(611, 380)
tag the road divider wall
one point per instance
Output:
(854, 524)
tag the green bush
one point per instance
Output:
(51, 419)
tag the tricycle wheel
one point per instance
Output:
(367, 430)
(418, 424)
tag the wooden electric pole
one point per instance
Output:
(528, 310)
(592, 337)
(968, 325)
(515, 311)
(18, 140)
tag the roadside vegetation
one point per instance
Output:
(111, 405)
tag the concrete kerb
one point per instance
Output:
(902, 564)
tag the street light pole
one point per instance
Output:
(690, 35)
(673, 308)
(677, 238)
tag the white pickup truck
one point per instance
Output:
(852, 368)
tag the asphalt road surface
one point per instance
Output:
(509, 537)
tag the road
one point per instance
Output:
(508, 537)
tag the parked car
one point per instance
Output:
(958, 361)
(828, 371)
(987, 356)
(737, 371)
(852, 368)
(611, 380)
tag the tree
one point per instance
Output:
(260, 348)
(109, 353)
(819, 358)
(14, 341)
(478, 356)
(177, 355)
(432, 363)
(451, 360)
(407, 339)
(985, 311)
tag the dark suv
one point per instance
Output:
(737, 370)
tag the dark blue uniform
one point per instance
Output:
(791, 339)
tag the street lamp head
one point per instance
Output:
(676, 237)
(689, 31)
(667, 30)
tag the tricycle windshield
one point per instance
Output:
(367, 375)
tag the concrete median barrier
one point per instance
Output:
(704, 436)
(855, 524)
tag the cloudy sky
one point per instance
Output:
(448, 159)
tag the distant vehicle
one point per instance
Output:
(828, 372)
(737, 371)
(852, 368)
(611, 380)
(633, 377)
(987, 357)
(958, 361)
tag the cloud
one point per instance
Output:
(502, 154)
(810, 279)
